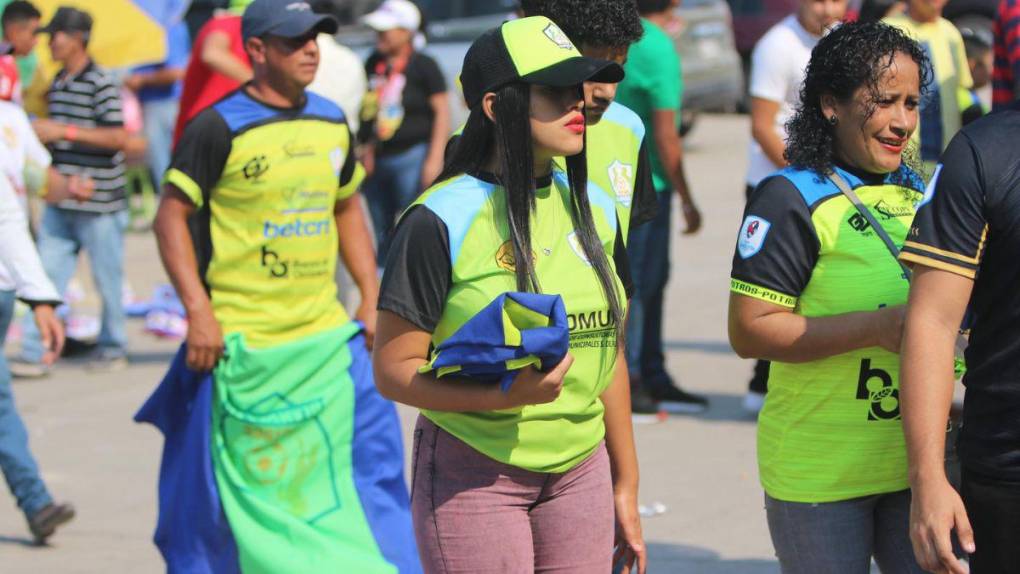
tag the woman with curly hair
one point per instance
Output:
(816, 289)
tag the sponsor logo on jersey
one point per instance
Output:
(893, 211)
(752, 236)
(505, 257)
(575, 244)
(620, 175)
(255, 168)
(858, 222)
(553, 32)
(298, 228)
(876, 386)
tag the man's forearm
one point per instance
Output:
(177, 251)
(107, 138)
(356, 247)
(926, 393)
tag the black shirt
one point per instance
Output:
(413, 117)
(89, 99)
(969, 224)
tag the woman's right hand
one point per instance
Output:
(533, 387)
(889, 327)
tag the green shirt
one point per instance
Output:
(830, 428)
(451, 257)
(653, 83)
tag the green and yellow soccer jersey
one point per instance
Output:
(266, 181)
(451, 257)
(619, 165)
(830, 429)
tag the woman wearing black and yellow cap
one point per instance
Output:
(532, 478)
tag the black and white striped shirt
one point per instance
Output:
(90, 99)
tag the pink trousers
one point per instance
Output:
(475, 515)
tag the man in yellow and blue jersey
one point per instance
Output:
(306, 456)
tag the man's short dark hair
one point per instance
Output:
(652, 6)
(19, 11)
(600, 23)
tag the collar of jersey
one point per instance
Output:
(297, 108)
(489, 177)
(863, 177)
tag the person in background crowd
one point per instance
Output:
(963, 246)
(522, 480)
(341, 76)
(777, 72)
(616, 142)
(85, 135)
(878, 10)
(815, 289)
(20, 21)
(158, 87)
(405, 118)
(941, 115)
(218, 65)
(22, 276)
(1006, 68)
(653, 88)
(978, 44)
(270, 175)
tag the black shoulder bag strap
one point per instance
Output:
(844, 187)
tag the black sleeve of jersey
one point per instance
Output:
(950, 226)
(202, 150)
(350, 162)
(622, 261)
(435, 83)
(417, 276)
(645, 201)
(777, 264)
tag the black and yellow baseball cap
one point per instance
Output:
(532, 50)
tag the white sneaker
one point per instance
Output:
(753, 402)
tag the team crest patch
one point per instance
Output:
(620, 175)
(752, 236)
(553, 32)
(336, 159)
(575, 244)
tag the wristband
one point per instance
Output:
(70, 132)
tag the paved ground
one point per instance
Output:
(701, 468)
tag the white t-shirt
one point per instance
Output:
(778, 64)
(340, 78)
(20, 267)
(25, 159)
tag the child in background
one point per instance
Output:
(940, 108)
(977, 42)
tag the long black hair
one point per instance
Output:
(508, 139)
(854, 55)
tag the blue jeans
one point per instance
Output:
(841, 537)
(63, 234)
(392, 187)
(648, 251)
(160, 117)
(16, 460)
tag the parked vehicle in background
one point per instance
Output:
(711, 66)
(752, 18)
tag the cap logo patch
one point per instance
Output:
(299, 7)
(752, 236)
(620, 175)
(553, 32)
